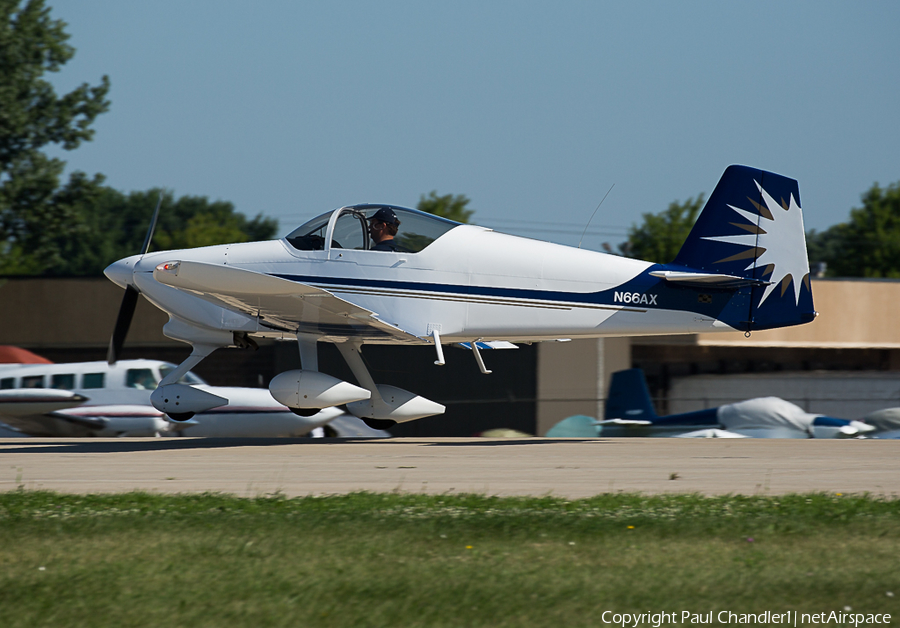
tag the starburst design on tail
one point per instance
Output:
(778, 245)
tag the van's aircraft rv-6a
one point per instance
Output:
(743, 267)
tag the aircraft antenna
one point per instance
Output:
(595, 213)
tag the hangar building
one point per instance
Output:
(846, 363)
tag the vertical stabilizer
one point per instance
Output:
(629, 397)
(752, 227)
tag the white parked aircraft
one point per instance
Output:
(336, 279)
(101, 399)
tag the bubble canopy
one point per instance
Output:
(350, 229)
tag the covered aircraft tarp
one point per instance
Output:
(769, 413)
(887, 420)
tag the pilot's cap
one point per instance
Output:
(385, 215)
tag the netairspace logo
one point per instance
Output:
(788, 618)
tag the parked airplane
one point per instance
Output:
(886, 423)
(629, 412)
(743, 267)
(100, 399)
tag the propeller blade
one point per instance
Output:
(123, 322)
(149, 237)
(129, 301)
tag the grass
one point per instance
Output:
(368, 559)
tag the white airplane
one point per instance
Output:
(101, 399)
(338, 278)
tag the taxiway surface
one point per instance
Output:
(572, 468)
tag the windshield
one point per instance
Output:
(417, 229)
(310, 236)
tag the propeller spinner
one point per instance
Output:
(129, 301)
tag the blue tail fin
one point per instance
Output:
(629, 397)
(752, 230)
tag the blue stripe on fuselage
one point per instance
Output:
(665, 295)
(415, 286)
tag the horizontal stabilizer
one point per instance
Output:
(702, 280)
(623, 422)
(493, 344)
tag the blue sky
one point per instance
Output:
(531, 109)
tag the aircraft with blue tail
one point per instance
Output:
(629, 412)
(743, 267)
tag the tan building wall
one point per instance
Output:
(573, 377)
(853, 314)
(72, 313)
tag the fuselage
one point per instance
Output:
(469, 283)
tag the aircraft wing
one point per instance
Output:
(278, 303)
(29, 402)
(30, 409)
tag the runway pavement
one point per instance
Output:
(571, 468)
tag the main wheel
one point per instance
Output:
(305, 411)
(379, 424)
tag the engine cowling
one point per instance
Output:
(313, 389)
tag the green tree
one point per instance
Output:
(868, 245)
(823, 246)
(115, 225)
(34, 208)
(448, 206)
(661, 235)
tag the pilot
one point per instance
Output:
(383, 227)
